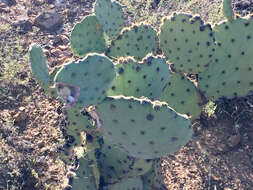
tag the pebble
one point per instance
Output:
(41, 144)
(20, 117)
(57, 52)
(234, 140)
(49, 21)
(21, 108)
(62, 47)
(3, 5)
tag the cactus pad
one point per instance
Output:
(39, 65)
(147, 179)
(115, 164)
(84, 178)
(137, 41)
(227, 9)
(187, 43)
(87, 37)
(77, 123)
(110, 15)
(144, 129)
(231, 75)
(147, 78)
(126, 184)
(86, 81)
(181, 95)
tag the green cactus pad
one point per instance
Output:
(126, 184)
(77, 123)
(140, 167)
(227, 9)
(86, 81)
(187, 43)
(87, 37)
(40, 70)
(110, 15)
(181, 95)
(137, 41)
(39, 65)
(231, 75)
(84, 178)
(144, 129)
(146, 78)
(115, 164)
(147, 180)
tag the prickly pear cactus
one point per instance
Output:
(231, 75)
(115, 164)
(144, 129)
(84, 178)
(87, 37)
(187, 42)
(140, 167)
(77, 123)
(40, 69)
(147, 179)
(136, 41)
(86, 81)
(181, 94)
(111, 17)
(126, 184)
(39, 65)
(137, 79)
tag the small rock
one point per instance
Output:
(20, 117)
(38, 2)
(11, 2)
(57, 41)
(61, 61)
(49, 21)
(234, 140)
(57, 52)
(65, 40)
(243, 4)
(45, 149)
(22, 75)
(3, 5)
(41, 144)
(60, 40)
(4, 8)
(51, 6)
(62, 47)
(25, 26)
(21, 108)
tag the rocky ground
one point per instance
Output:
(220, 156)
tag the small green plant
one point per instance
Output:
(210, 108)
(124, 95)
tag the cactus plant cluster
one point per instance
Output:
(131, 93)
